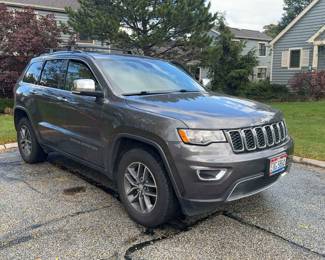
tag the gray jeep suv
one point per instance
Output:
(168, 144)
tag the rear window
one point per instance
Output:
(53, 74)
(33, 73)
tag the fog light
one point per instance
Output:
(211, 175)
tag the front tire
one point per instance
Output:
(145, 189)
(29, 148)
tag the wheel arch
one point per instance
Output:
(125, 142)
(20, 113)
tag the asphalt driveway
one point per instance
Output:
(48, 211)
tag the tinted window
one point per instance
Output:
(53, 74)
(33, 73)
(134, 75)
(295, 58)
(78, 70)
(262, 49)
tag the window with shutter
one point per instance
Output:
(295, 59)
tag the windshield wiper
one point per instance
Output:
(186, 91)
(145, 93)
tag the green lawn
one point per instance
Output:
(306, 123)
(7, 129)
(305, 120)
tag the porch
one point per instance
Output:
(318, 40)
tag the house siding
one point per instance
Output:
(262, 61)
(321, 37)
(59, 17)
(297, 37)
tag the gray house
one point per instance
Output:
(254, 40)
(301, 45)
(56, 8)
(259, 42)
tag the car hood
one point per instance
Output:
(207, 110)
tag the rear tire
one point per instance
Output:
(142, 177)
(29, 148)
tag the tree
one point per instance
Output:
(229, 69)
(292, 8)
(168, 29)
(22, 36)
(271, 30)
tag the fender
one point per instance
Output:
(177, 186)
(17, 107)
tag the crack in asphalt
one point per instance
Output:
(16, 241)
(242, 221)
(179, 225)
(136, 247)
(5, 242)
(13, 163)
(26, 183)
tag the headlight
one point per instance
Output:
(201, 137)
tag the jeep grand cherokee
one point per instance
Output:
(163, 139)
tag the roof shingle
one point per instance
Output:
(250, 34)
(60, 4)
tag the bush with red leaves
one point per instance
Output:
(309, 85)
(23, 35)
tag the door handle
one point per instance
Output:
(34, 92)
(64, 99)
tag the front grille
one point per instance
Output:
(257, 138)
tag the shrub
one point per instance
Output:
(23, 35)
(264, 91)
(5, 103)
(309, 85)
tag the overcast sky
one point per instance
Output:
(249, 14)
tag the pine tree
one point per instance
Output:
(167, 29)
(229, 69)
(292, 8)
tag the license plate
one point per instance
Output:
(278, 164)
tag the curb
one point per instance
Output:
(310, 162)
(4, 147)
(296, 159)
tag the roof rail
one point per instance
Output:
(86, 48)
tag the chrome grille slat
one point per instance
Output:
(236, 140)
(257, 138)
(249, 139)
(261, 137)
(277, 138)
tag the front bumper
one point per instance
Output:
(245, 175)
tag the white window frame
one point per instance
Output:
(261, 67)
(295, 49)
(258, 48)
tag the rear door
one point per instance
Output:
(50, 103)
(27, 91)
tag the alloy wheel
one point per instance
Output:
(140, 187)
(25, 140)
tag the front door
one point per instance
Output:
(82, 118)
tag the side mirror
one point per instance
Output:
(206, 83)
(86, 87)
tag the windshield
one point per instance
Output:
(145, 76)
